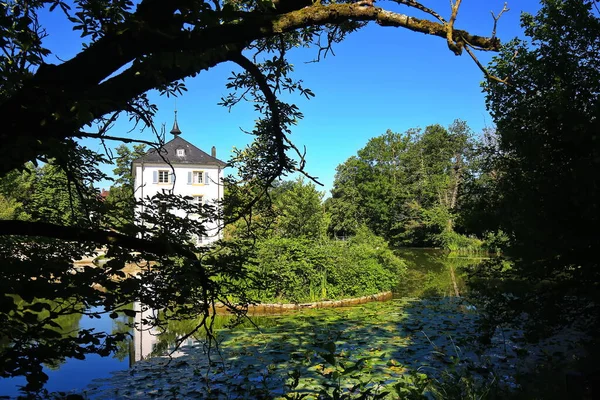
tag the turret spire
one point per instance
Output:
(175, 131)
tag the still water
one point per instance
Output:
(430, 273)
(73, 373)
(433, 273)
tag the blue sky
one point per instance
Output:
(379, 79)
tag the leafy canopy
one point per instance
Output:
(544, 167)
(404, 186)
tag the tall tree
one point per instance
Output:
(121, 200)
(405, 187)
(300, 211)
(547, 112)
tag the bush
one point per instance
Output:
(456, 242)
(299, 270)
(496, 242)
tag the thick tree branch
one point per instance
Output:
(482, 67)
(59, 100)
(77, 234)
(453, 43)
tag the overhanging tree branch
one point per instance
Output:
(262, 83)
(77, 234)
(59, 100)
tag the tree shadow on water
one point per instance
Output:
(368, 347)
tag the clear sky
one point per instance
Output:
(380, 78)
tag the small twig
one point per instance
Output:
(183, 338)
(279, 135)
(281, 63)
(263, 85)
(117, 138)
(497, 17)
(419, 6)
(302, 163)
(325, 50)
(108, 123)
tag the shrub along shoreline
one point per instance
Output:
(308, 271)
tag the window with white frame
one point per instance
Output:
(180, 152)
(197, 200)
(198, 177)
(163, 176)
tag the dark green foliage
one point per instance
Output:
(120, 202)
(301, 270)
(299, 210)
(547, 186)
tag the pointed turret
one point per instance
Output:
(175, 131)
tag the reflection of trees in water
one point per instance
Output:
(432, 273)
(174, 330)
(65, 324)
(162, 339)
(123, 324)
(69, 326)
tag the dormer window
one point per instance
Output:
(180, 152)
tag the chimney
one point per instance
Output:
(213, 152)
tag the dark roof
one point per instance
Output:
(193, 155)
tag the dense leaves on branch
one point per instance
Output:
(544, 171)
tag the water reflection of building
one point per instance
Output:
(145, 337)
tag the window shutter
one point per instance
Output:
(190, 178)
(206, 180)
(171, 177)
(154, 176)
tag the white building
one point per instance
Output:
(189, 171)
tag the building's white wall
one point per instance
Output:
(211, 192)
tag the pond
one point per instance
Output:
(431, 273)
